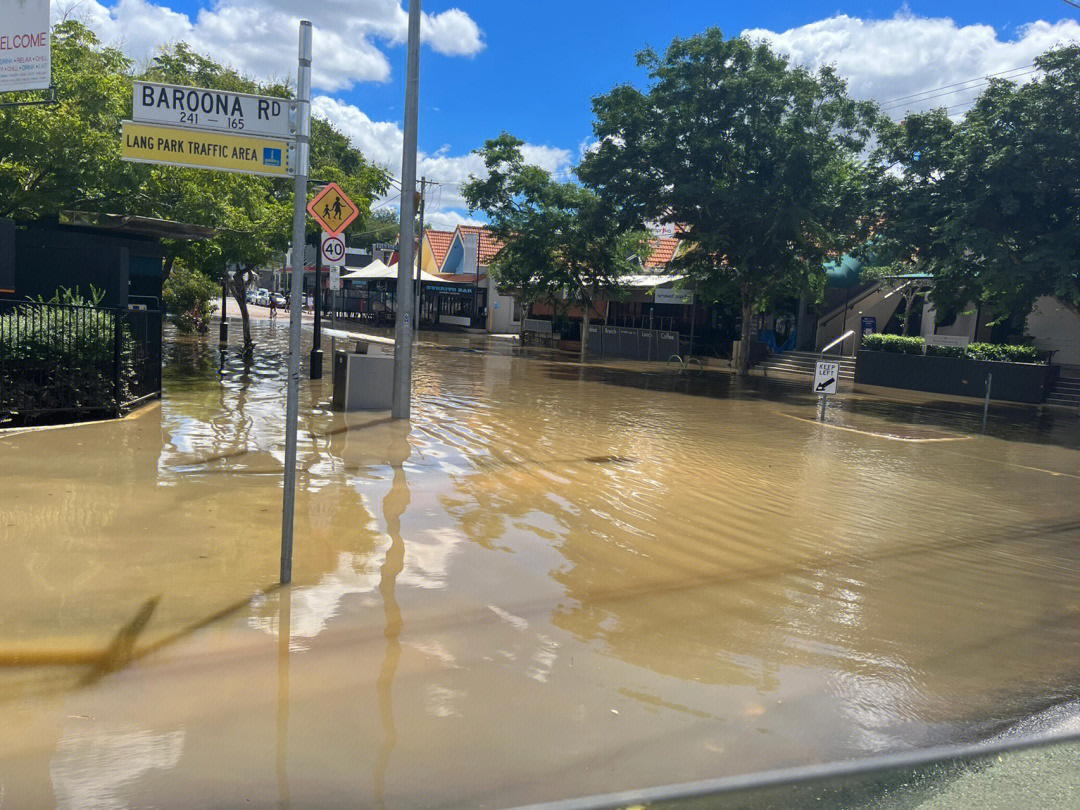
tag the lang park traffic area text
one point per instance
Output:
(199, 149)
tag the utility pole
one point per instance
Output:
(419, 259)
(292, 398)
(403, 322)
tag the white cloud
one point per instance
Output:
(889, 59)
(381, 142)
(258, 37)
(448, 220)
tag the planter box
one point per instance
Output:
(956, 376)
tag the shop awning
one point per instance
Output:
(378, 270)
(646, 281)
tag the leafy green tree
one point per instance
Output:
(991, 205)
(382, 226)
(189, 299)
(68, 156)
(757, 159)
(59, 156)
(557, 236)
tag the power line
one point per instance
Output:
(957, 84)
(387, 202)
(952, 92)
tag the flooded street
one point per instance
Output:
(554, 582)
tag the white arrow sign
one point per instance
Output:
(825, 377)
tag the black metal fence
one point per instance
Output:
(62, 359)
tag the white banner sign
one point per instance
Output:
(24, 45)
(335, 278)
(197, 107)
(664, 295)
(955, 341)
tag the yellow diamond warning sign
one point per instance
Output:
(332, 209)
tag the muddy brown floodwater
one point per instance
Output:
(554, 582)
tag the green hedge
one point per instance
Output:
(893, 343)
(1001, 352)
(60, 356)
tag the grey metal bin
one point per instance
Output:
(362, 381)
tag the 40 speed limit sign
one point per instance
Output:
(333, 249)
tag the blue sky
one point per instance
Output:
(531, 67)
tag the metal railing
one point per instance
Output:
(897, 780)
(58, 359)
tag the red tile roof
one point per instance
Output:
(663, 251)
(489, 245)
(440, 244)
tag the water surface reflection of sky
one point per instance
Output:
(554, 582)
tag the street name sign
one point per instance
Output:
(199, 149)
(24, 45)
(825, 377)
(333, 250)
(219, 110)
(332, 209)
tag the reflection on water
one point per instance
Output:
(284, 625)
(92, 766)
(394, 505)
(554, 581)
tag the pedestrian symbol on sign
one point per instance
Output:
(332, 209)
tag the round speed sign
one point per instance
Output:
(333, 249)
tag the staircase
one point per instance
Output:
(804, 363)
(1066, 391)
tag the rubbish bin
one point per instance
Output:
(363, 381)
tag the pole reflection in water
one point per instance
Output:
(394, 505)
(284, 624)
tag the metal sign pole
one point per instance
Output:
(403, 326)
(292, 401)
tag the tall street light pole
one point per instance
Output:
(403, 322)
(292, 397)
(419, 259)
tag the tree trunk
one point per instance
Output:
(237, 286)
(744, 340)
(908, 303)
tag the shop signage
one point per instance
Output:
(24, 45)
(664, 295)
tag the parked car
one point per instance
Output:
(262, 297)
(251, 295)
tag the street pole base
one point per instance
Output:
(223, 333)
(316, 364)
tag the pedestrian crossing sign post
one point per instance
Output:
(333, 209)
(826, 374)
